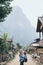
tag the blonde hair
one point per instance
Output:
(21, 51)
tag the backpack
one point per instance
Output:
(25, 59)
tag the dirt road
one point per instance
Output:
(15, 61)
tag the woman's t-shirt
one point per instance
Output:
(21, 57)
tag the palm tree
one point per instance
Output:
(4, 46)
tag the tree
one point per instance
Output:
(4, 46)
(3, 43)
(5, 36)
(19, 46)
(5, 9)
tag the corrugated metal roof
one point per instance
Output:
(35, 44)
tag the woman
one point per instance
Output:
(21, 57)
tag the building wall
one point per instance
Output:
(39, 50)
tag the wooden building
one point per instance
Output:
(40, 31)
(36, 48)
(40, 47)
(40, 27)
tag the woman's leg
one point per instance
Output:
(21, 63)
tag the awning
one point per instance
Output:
(35, 44)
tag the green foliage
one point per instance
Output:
(4, 46)
(5, 9)
(4, 1)
(5, 37)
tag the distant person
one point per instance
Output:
(21, 55)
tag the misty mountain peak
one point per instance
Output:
(19, 26)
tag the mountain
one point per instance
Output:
(19, 26)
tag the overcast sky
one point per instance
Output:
(31, 8)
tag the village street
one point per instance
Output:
(15, 61)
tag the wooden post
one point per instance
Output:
(40, 35)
